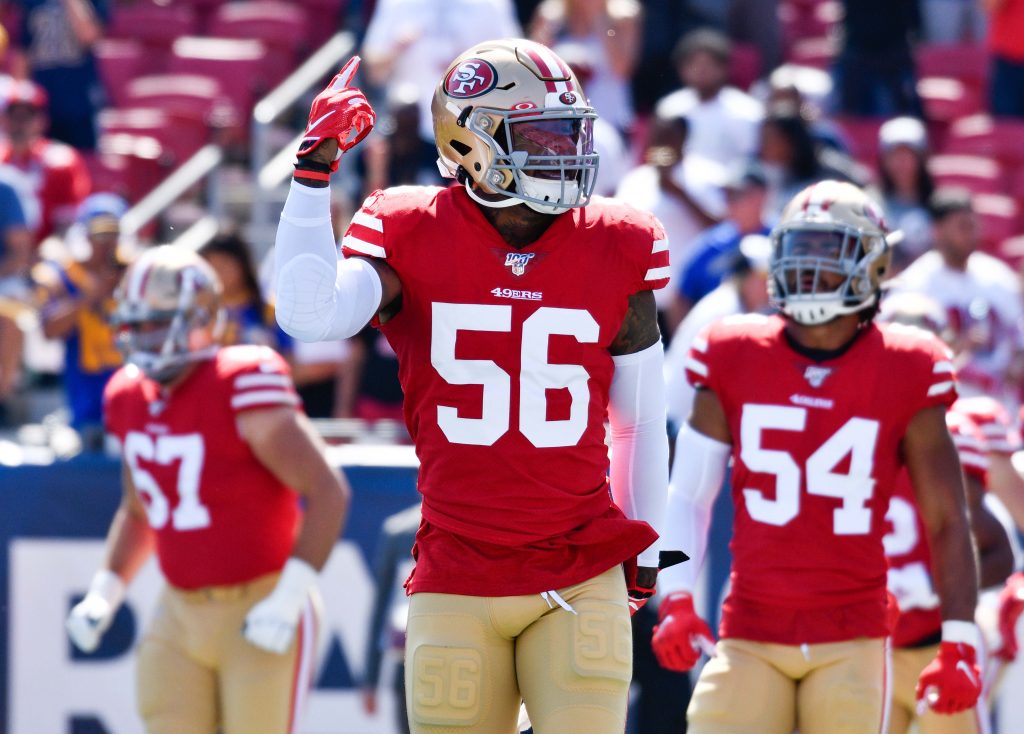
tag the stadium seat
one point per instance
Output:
(998, 218)
(325, 20)
(120, 60)
(744, 65)
(967, 62)
(945, 99)
(241, 66)
(179, 136)
(819, 52)
(140, 157)
(978, 174)
(862, 135)
(155, 26)
(197, 95)
(1012, 251)
(1002, 139)
(282, 27)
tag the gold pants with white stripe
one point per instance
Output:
(198, 675)
(767, 688)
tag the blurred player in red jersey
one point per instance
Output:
(217, 456)
(817, 431)
(522, 315)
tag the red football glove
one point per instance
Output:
(681, 635)
(951, 683)
(1011, 604)
(340, 112)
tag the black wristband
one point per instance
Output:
(306, 164)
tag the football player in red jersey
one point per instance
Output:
(817, 432)
(216, 458)
(522, 315)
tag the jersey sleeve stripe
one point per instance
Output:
(1003, 446)
(357, 245)
(968, 458)
(699, 344)
(657, 273)
(659, 246)
(244, 382)
(368, 220)
(943, 367)
(968, 442)
(264, 397)
(696, 367)
(940, 387)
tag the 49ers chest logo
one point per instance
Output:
(471, 78)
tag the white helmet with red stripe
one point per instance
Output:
(512, 124)
(168, 311)
(829, 253)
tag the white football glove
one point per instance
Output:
(271, 623)
(91, 617)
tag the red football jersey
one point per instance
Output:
(503, 358)
(219, 515)
(1001, 436)
(815, 458)
(906, 543)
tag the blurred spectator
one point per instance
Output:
(415, 40)
(248, 318)
(319, 370)
(806, 89)
(980, 293)
(75, 296)
(745, 290)
(906, 185)
(792, 160)
(386, 638)
(609, 143)
(953, 21)
(681, 189)
(397, 155)
(371, 389)
(1006, 40)
(609, 30)
(57, 38)
(664, 23)
(55, 172)
(875, 69)
(714, 253)
(723, 120)
(757, 22)
(15, 254)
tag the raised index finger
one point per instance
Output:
(347, 73)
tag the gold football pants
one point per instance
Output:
(907, 664)
(767, 688)
(197, 674)
(470, 659)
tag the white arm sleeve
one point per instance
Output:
(697, 476)
(319, 298)
(639, 451)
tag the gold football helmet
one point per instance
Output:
(829, 253)
(513, 125)
(168, 311)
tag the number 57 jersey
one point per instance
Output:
(816, 454)
(503, 358)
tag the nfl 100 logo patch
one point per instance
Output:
(518, 261)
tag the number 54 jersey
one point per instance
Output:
(816, 453)
(503, 358)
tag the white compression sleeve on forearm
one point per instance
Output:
(318, 297)
(697, 476)
(639, 452)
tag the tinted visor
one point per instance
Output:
(552, 144)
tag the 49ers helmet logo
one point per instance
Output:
(471, 78)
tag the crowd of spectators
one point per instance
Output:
(712, 115)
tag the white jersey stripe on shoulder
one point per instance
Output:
(940, 387)
(943, 367)
(699, 344)
(264, 397)
(368, 220)
(971, 459)
(358, 245)
(658, 273)
(244, 382)
(694, 366)
(659, 246)
(962, 441)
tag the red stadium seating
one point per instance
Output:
(1002, 139)
(155, 26)
(744, 65)
(998, 218)
(120, 60)
(279, 25)
(818, 52)
(239, 65)
(967, 62)
(1012, 251)
(946, 99)
(978, 174)
(862, 135)
(179, 136)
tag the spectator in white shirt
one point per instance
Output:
(415, 40)
(723, 120)
(981, 295)
(683, 191)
